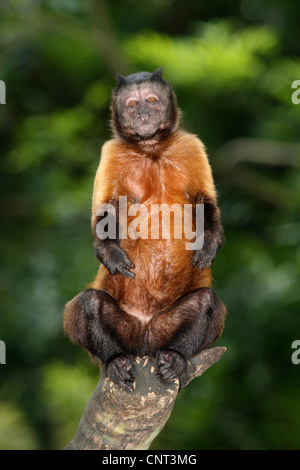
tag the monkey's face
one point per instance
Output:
(144, 108)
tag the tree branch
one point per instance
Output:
(119, 420)
(234, 161)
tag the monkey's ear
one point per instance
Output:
(157, 75)
(120, 79)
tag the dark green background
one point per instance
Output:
(232, 65)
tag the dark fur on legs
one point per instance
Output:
(94, 320)
(201, 315)
(90, 320)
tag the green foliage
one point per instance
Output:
(15, 432)
(232, 66)
(65, 400)
(216, 55)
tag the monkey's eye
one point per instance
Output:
(132, 103)
(151, 100)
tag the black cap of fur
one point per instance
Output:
(139, 77)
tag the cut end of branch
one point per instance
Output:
(200, 363)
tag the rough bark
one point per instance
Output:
(119, 420)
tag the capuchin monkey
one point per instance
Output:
(151, 296)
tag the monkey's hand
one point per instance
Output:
(120, 370)
(114, 259)
(170, 364)
(206, 255)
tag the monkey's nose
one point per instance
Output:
(144, 114)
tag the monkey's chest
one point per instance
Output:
(156, 239)
(155, 183)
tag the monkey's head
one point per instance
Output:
(144, 107)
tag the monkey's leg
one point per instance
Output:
(213, 233)
(92, 320)
(199, 320)
(107, 242)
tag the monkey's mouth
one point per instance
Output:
(147, 130)
(144, 124)
(147, 134)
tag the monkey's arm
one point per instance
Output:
(213, 233)
(206, 195)
(105, 206)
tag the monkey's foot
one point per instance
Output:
(170, 364)
(120, 370)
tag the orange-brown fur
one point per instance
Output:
(175, 171)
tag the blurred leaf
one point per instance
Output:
(66, 390)
(15, 432)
